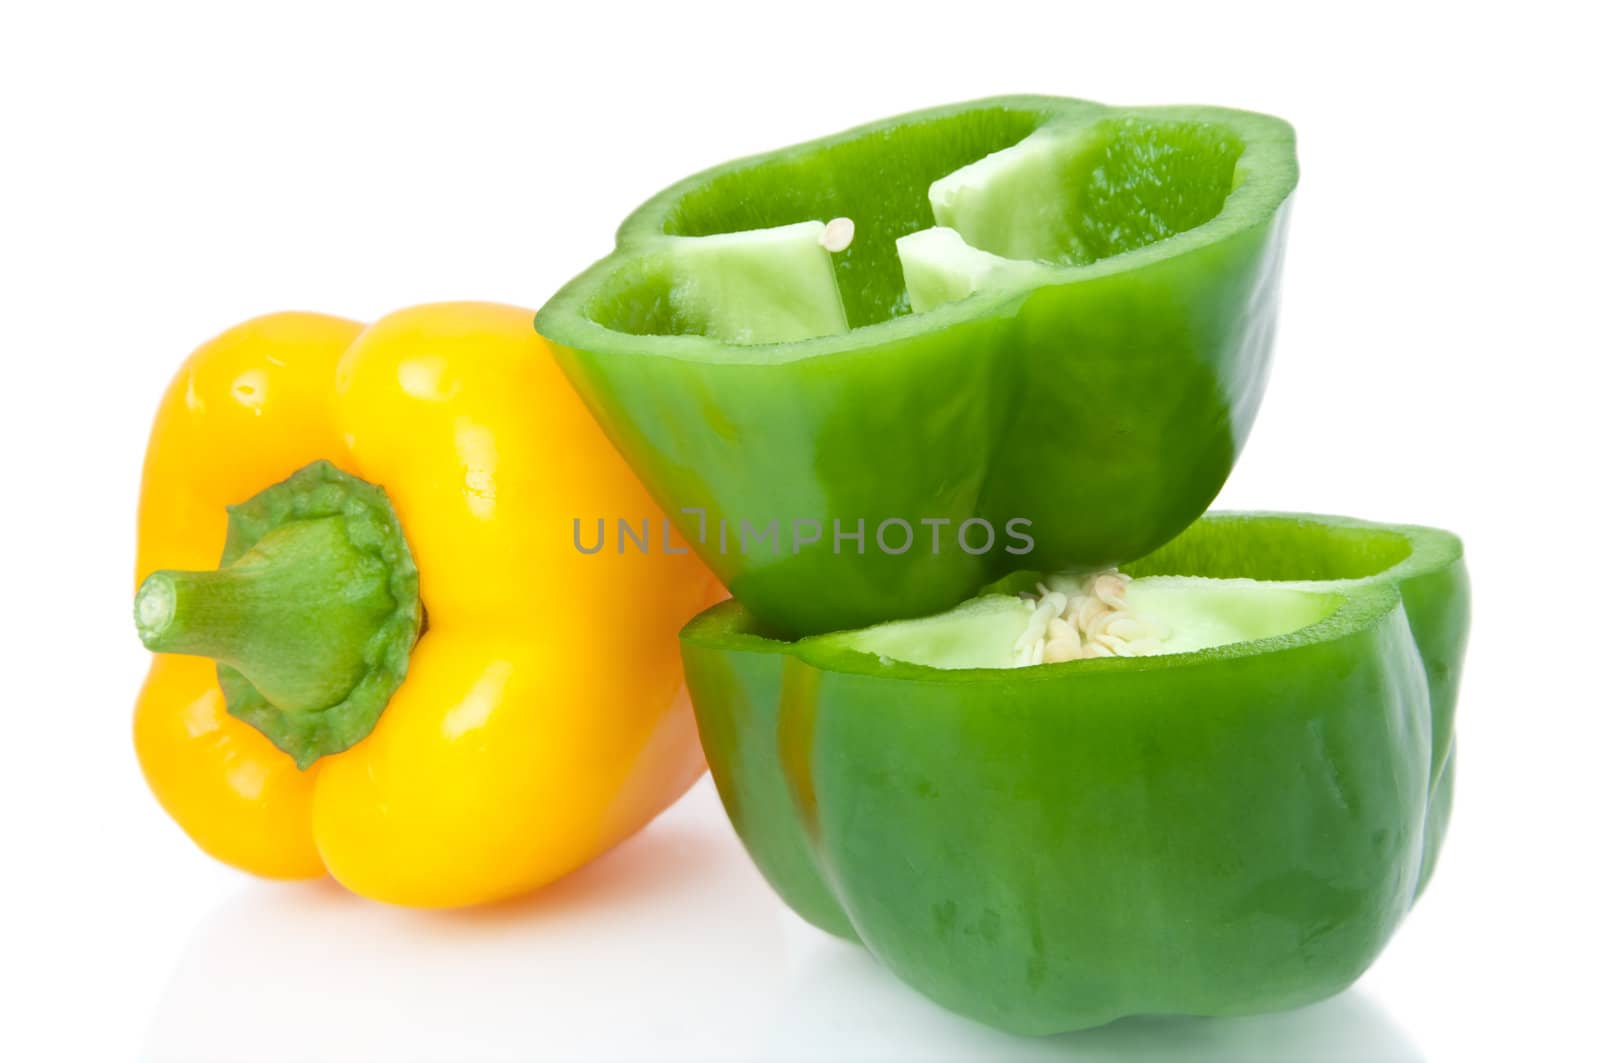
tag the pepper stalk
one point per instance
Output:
(311, 615)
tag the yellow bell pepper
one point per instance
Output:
(540, 716)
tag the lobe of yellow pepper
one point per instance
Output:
(515, 749)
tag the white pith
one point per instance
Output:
(762, 285)
(940, 267)
(1076, 616)
(1085, 616)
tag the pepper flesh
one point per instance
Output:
(1033, 846)
(514, 750)
(1102, 395)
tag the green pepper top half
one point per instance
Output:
(870, 373)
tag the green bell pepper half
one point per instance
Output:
(1221, 832)
(1083, 347)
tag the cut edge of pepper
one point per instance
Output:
(1364, 601)
(1265, 177)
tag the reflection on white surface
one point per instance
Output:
(841, 1005)
(671, 947)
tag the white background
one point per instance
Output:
(166, 172)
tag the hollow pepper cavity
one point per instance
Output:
(350, 538)
(872, 372)
(1229, 823)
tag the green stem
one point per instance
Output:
(311, 617)
(293, 615)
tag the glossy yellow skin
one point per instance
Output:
(543, 718)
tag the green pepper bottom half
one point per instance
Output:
(1225, 831)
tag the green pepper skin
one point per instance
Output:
(1218, 833)
(1105, 405)
(1425, 563)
